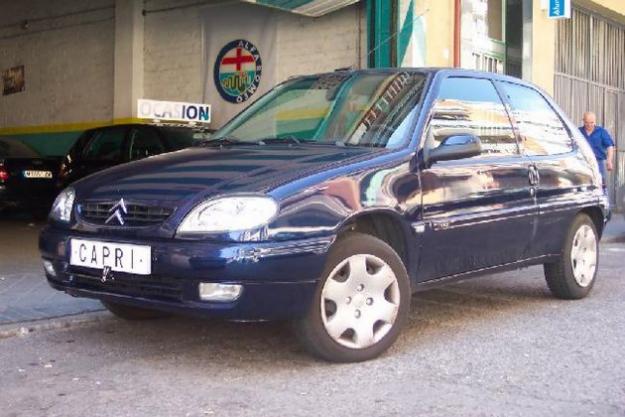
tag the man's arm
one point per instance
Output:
(610, 158)
(608, 143)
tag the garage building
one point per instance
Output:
(69, 65)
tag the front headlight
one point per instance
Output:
(63, 205)
(229, 214)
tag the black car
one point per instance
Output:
(27, 179)
(104, 147)
(333, 198)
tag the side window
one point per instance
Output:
(182, 137)
(472, 106)
(106, 144)
(144, 142)
(542, 131)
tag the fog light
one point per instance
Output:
(47, 265)
(219, 292)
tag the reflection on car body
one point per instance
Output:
(366, 196)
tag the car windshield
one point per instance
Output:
(14, 148)
(343, 108)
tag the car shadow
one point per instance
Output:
(194, 342)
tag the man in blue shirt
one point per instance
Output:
(601, 144)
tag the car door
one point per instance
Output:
(562, 170)
(479, 211)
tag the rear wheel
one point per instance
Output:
(133, 313)
(573, 275)
(361, 302)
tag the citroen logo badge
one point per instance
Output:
(116, 212)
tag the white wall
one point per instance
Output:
(68, 61)
(323, 44)
(173, 53)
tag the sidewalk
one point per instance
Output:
(25, 295)
(28, 297)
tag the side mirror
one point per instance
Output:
(455, 147)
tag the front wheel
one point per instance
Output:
(361, 302)
(573, 275)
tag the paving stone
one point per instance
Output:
(27, 297)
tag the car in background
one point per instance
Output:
(104, 147)
(27, 179)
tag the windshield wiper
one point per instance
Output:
(225, 141)
(345, 144)
(284, 139)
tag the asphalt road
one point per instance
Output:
(494, 346)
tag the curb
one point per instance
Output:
(63, 322)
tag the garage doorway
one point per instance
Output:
(590, 75)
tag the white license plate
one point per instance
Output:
(37, 174)
(121, 257)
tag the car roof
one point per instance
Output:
(444, 71)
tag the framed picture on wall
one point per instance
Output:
(13, 80)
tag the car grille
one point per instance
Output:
(138, 214)
(151, 287)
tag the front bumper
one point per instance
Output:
(279, 278)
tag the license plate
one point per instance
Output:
(121, 257)
(37, 174)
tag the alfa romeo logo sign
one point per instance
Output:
(237, 71)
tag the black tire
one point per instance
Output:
(311, 330)
(560, 275)
(133, 313)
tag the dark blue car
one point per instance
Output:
(333, 198)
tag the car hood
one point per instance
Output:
(198, 172)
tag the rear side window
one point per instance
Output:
(542, 130)
(472, 106)
(144, 142)
(13, 148)
(106, 144)
(181, 137)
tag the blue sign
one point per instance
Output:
(559, 9)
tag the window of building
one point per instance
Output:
(542, 130)
(472, 106)
(494, 19)
(483, 35)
